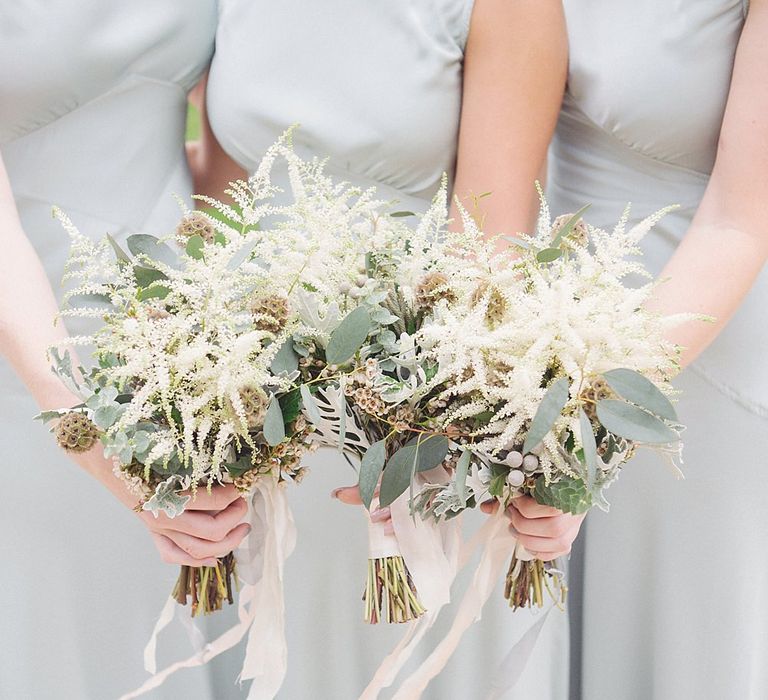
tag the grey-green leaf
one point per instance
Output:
(349, 336)
(120, 254)
(310, 405)
(195, 247)
(370, 471)
(548, 255)
(156, 292)
(634, 387)
(419, 455)
(274, 428)
(633, 423)
(566, 230)
(286, 360)
(401, 214)
(549, 410)
(146, 275)
(590, 448)
(462, 470)
(153, 248)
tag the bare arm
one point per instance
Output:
(515, 68)
(212, 169)
(727, 244)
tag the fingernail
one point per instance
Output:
(335, 493)
(380, 514)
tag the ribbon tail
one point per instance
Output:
(498, 545)
(150, 651)
(266, 654)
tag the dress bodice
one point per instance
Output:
(92, 101)
(647, 89)
(375, 86)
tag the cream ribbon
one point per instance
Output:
(261, 601)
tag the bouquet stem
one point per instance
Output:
(527, 581)
(390, 594)
(208, 586)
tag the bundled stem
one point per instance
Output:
(527, 580)
(390, 594)
(208, 586)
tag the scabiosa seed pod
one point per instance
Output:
(254, 400)
(579, 234)
(196, 224)
(76, 432)
(432, 288)
(597, 390)
(497, 304)
(270, 312)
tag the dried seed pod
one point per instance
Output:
(196, 224)
(497, 304)
(254, 400)
(270, 312)
(432, 288)
(579, 235)
(76, 432)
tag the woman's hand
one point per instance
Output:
(351, 496)
(545, 532)
(208, 528)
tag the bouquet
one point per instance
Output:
(190, 386)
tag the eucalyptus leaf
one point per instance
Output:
(401, 214)
(195, 246)
(569, 225)
(153, 248)
(635, 387)
(290, 405)
(286, 360)
(310, 405)
(274, 427)
(549, 410)
(462, 470)
(589, 447)
(370, 471)
(420, 454)
(243, 254)
(120, 254)
(634, 423)
(100, 301)
(144, 276)
(155, 292)
(548, 255)
(349, 336)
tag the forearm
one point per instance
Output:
(711, 272)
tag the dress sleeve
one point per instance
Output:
(466, 18)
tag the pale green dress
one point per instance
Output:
(674, 603)
(92, 114)
(376, 88)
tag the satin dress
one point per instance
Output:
(92, 115)
(674, 576)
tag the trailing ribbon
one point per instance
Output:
(261, 606)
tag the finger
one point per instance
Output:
(218, 499)
(170, 553)
(531, 509)
(556, 526)
(545, 545)
(389, 528)
(207, 526)
(348, 494)
(204, 549)
(381, 515)
(489, 507)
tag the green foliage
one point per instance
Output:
(634, 423)
(274, 425)
(153, 248)
(195, 246)
(420, 454)
(286, 360)
(640, 390)
(549, 411)
(589, 448)
(462, 470)
(370, 471)
(145, 276)
(349, 336)
(290, 405)
(565, 231)
(567, 494)
(548, 255)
